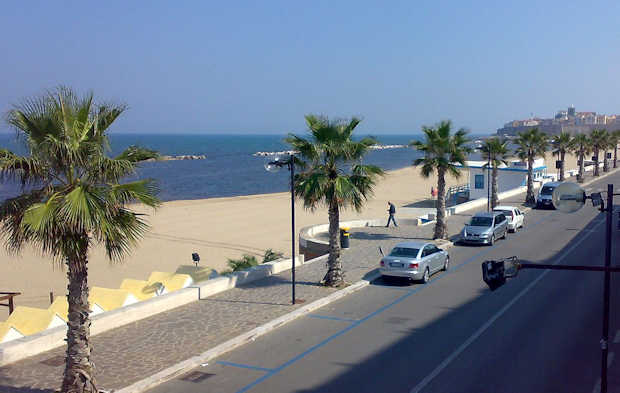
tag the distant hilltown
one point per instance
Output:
(568, 121)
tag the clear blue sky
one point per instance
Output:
(259, 66)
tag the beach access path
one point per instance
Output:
(125, 355)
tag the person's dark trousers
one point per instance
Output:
(391, 218)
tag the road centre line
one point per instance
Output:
(375, 313)
(446, 362)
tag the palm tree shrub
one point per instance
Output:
(598, 142)
(333, 176)
(560, 145)
(615, 140)
(138, 153)
(271, 255)
(442, 151)
(580, 145)
(495, 151)
(245, 262)
(72, 198)
(531, 144)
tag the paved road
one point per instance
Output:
(538, 333)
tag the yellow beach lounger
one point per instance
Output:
(30, 320)
(171, 281)
(106, 299)
(140, 288)
(8, 333)
(60, 307)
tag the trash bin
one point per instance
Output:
(344, 237)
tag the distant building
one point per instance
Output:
(568, 121)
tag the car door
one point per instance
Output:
(437, 258)
(426, 258)
(521, 217)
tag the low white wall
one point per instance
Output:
(27, 346)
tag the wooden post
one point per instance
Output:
(10, 304)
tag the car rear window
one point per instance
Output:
(481, 221)
(506, 212)
(405, 252)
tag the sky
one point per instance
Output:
(260, 66)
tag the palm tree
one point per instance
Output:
(615, 139)
(581, 145)
(333, 176)
(494, 151)
(442, 151)
(560, 144)
(598, 141)
(531, 144)
(71, 199)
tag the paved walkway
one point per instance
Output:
(130, 353)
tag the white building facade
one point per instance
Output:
(509, 176)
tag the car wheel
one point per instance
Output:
(492, 240)
(427, 276)
(446, 263)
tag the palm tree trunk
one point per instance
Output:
(440, 226)
(615, 155)
(529, 197)
(605, 162)
(596, 162)
(494, 190)
(581, 171)
(79, 369)
(562, 154)
(334, 276)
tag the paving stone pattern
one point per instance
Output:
(132, 352)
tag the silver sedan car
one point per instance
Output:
(414, 260)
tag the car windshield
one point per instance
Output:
(547, 190)
(405, 252)
(481, 221)
(506, 212)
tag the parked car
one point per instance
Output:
(513, 215)
(485, 228)
(414, 260)
(544, 195)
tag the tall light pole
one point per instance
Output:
(489, 184)
(273, 166)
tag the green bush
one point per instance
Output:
(271, 255)
(247, 261)
(136, 154)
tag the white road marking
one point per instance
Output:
(617, 337)
(422, 384)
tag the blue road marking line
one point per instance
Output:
(369, 316)
(332, 318)
(231, 364)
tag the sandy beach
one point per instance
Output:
(216, 228)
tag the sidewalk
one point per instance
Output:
(135, 351)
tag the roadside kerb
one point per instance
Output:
(182, 367)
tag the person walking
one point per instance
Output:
(391, 210)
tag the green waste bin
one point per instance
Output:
(344, 237)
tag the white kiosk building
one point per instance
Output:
(511, 176)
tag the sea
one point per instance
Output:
(231, 167)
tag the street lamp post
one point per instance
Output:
(273, 166)
(489, 184)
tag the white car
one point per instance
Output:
(514, 216)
